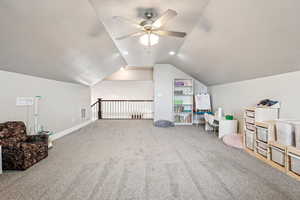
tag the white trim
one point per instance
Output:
(70, 130)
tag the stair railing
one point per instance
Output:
(122, 109)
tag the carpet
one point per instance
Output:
(133, 160)
(235, 140)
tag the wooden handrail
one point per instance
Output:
(122, 100)
(94, 104)
(128, 100)
(100, 103)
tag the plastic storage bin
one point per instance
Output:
(277, 155)
(249, 140)
(250, 113)
(262, 151)
(262, 145)
(250, 127)
(272, 132)
(294, 163)
(285, 133)
(262, 133)
(250, 120)
(266, 114)
(297, 136)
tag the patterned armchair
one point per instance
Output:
(20, 151)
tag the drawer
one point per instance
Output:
(277, 155)
(249, 140)
(262, 145)
(262, 151)
(250, 113)
(250, 127)
(249, 120)
(294, 163)
(262, 134)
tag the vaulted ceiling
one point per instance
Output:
(74, 40)
(56, 39)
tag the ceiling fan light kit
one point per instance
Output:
(151, 28)
(172, 53)
(149, 39)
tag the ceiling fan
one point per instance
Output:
(151, 28)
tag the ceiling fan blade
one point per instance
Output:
(135, 34)
(164, 18)
(169, 33)
(127, 20)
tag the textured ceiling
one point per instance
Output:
(73, 40)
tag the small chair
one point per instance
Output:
(211, 122)
(21, 151)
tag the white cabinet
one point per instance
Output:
(253, 117)
(227, 127)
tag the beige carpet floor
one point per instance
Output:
(131, 160)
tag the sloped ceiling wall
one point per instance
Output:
(236, 40)
(73, 40)
(56, 39)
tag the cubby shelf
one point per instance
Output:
(285, 165)
(183, 101)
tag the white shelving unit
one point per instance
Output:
(183, 92)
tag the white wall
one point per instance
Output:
(137, 74)
(234, 97)
(60, 106)
(139, 90)
(163, 76)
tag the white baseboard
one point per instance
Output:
(70, 130)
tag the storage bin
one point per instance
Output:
(262, 133)
(262, 145)
(250, 113)
(249, 140)
(294, 163)
(266, 114)
(250, 127)
(297, 136)
(249, 120)
(262, 152)
(285, 133)
(272, 132)
(277, 155)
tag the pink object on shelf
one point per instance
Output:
(235, 140)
